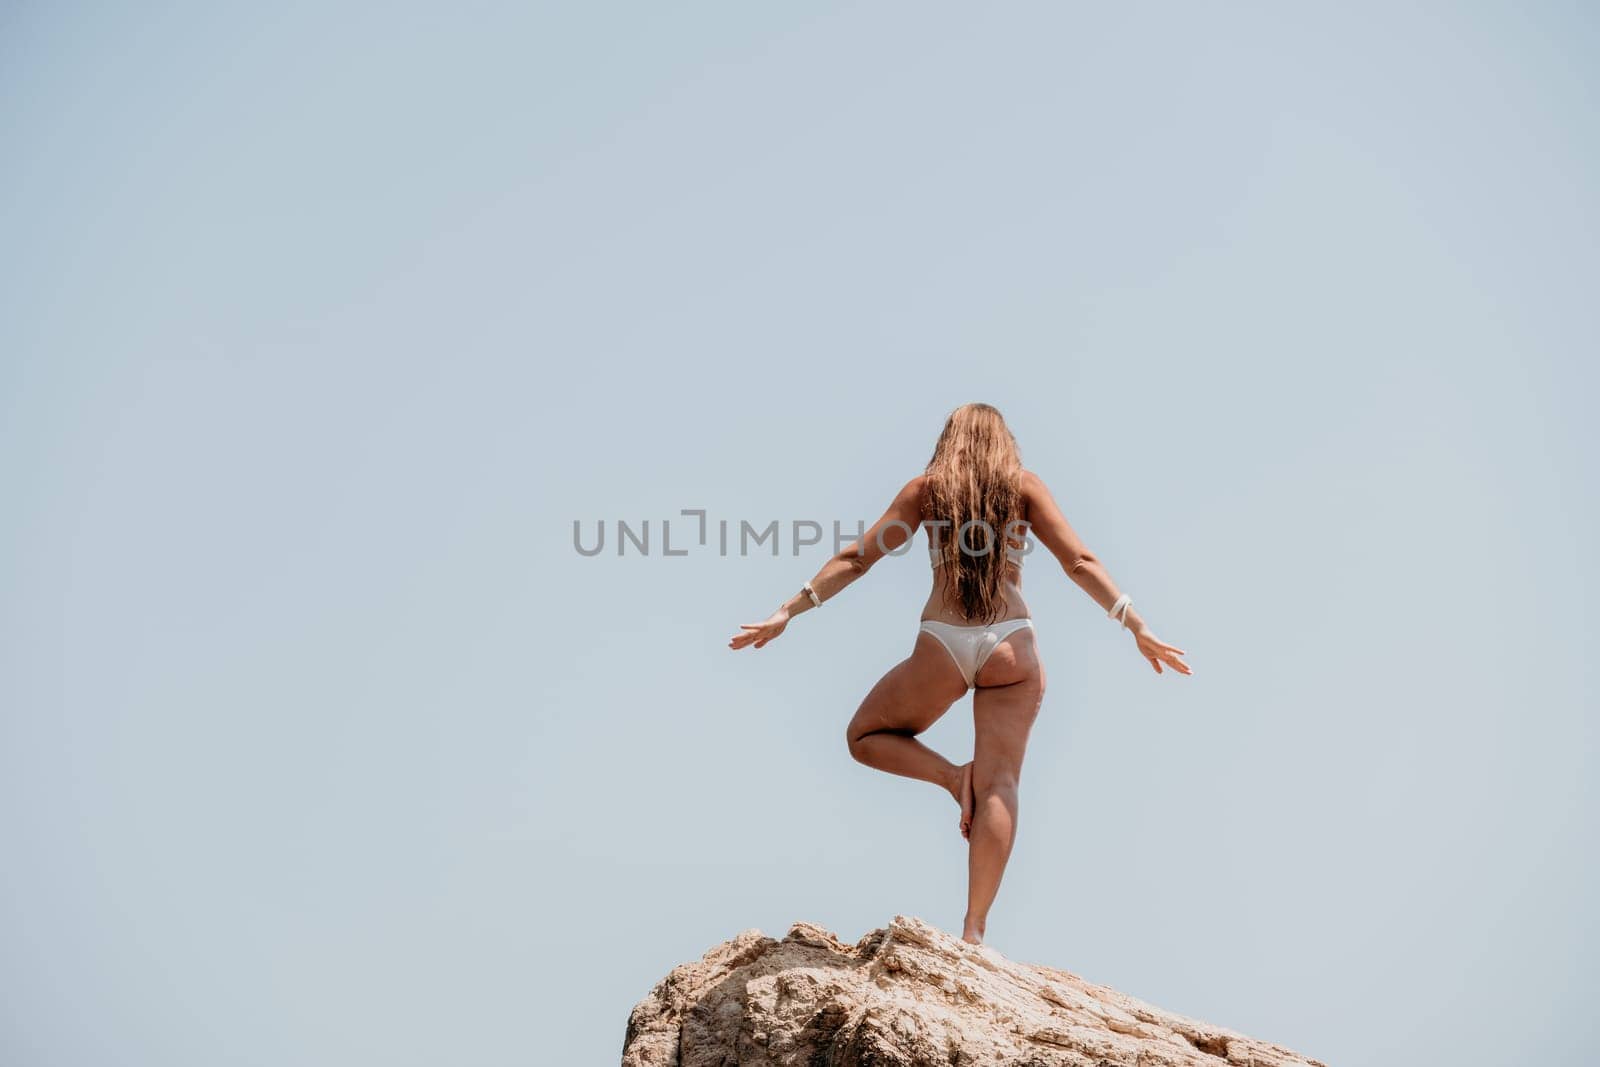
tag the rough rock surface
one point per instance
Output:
(908, 994)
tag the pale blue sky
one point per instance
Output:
(319, 325)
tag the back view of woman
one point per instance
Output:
(977, 505)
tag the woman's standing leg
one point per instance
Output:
(1002, 716)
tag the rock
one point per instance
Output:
(905, 996)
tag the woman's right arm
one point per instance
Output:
(1086, 570)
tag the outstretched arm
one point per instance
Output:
(891, 531)
(1086, 570)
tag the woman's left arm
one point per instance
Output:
(891, 531)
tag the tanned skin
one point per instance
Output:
(921, 688)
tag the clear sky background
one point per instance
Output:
(320, 325)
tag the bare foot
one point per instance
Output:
(972, 933)
(966, 799)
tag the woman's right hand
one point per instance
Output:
(759, 633)
(1158, 651)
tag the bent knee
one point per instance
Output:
(856, 741)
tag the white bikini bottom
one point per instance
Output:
(970, 646)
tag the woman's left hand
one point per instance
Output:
(759, 633)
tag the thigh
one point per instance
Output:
(914, 694)
(1002, 716)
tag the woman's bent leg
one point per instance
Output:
(905, 702)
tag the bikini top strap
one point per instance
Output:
(1013, 553)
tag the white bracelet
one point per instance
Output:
(816, 601)
(1119, 610)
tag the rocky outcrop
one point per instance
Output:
(908, 995)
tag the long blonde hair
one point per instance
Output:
(975, 477)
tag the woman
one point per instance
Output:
(978, 505)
